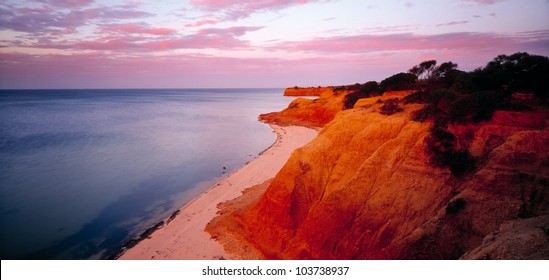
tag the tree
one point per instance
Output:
(368, 89)
(424, 70)
(400, 81)
(517, 72)
(443, 70)
(429, 66)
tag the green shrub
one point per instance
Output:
(371, 88)
(359, 91)
(350, 101)
(517, 72)
(461, 163)
(419, 97)
(453, 96)
(390, 106)
(400, 81)
(440, 144)
(442, 151)
(422, 114)
(455, 206)
(478, 106)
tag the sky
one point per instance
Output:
(240, 43)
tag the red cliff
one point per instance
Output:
(307, 91)
(365, 188)
(309, 112)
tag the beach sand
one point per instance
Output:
(184, 237)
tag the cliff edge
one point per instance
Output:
(308, 112)
(307, 91)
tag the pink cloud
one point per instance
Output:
(33, 20)
(110, 13)
(248, 4)
(126, 39)
(201, 22)
(109, 70)
(243, 8)
(136, 28)
(392, 28)
(453, 23)
(45, 19)
(366, 43)
(230, 31)
(483, 2)
(66, 3)
(43, 9)
(217, 38)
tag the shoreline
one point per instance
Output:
(184, 236)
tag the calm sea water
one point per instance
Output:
(83, 171)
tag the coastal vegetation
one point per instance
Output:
(451, 97)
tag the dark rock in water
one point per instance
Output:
(172, 216)
(131, 243)
(152, 229)
(128, 245)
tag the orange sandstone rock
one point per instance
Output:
(308, 112)
(364, 188)
(308, 91)
(320, 111)
(515, 239)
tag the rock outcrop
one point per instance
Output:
(309, 112)
(515, 239)
(307, 91)
(320, 111)
(364, 188)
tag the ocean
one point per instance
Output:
(84, 171)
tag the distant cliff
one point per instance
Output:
(331, 100)
(306, 91)
(309, 112)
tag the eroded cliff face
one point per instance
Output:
(511, 184)
(364, 189)
(515, 239)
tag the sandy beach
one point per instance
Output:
(184, 237)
